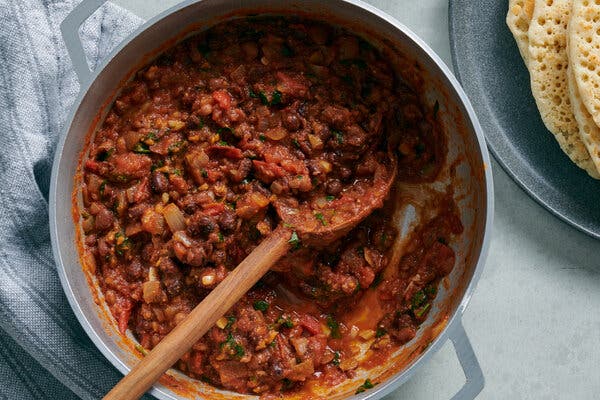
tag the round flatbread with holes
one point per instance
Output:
(548, 64)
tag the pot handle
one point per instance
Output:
(468, 361)
(70, 33)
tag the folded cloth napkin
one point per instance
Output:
(44, 352)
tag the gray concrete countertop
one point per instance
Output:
(533, 320)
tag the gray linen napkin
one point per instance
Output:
(44, 353)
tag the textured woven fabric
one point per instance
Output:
(44, 353)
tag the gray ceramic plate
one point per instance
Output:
(488, 64)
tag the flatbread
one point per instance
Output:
(548, 64)
(518, 19)
(584, 53)
(588, 130)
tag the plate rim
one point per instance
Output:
(495, 152)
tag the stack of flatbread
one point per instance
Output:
(559, 41)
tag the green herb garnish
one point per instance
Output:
(380, 332)
(204, 173)
(230, 322)
(263, 98)
(367, 385)
(421, 311)
(285, 322)
(222, 143)
(121, 248)
(294, 241)
(104, 154)
(321, 218)
(233, 345)
(221, 237)
(330, 198)
(275, 98)
(176, 147)
(261, 305)
(336, 358)
(295, 143)
(339, 136)
(141, 148)
(262, 137)
(334, 328)
(418, 299)
(102, 188)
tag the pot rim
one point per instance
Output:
(394, 381)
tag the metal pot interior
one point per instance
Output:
(466, 156)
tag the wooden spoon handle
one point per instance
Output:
(203, 317)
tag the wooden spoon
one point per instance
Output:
(313, 228)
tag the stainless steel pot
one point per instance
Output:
(466, 150)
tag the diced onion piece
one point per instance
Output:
(181, 237)
(367, 334)
(221, 323)
(176, 124)
(321, 202)
(349, 364)
(208, 279)
(276, 133)
(151, 291)
(152, 274)
(325, 166)
(174, 217)
(315, 141)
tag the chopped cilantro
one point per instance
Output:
(104, 154)
(418, 299)
(176, 172)
(221, 237)
(262, 137)
(124, 245)
(141, 148)
(261, 305)
(176, 147)
(102, 188)
(430, 290)
(157, 165)
(321, 218)
(252, 93)
(204, 173)
(380, 332)
(263, 98)
(230, 342)
(295, 142)
(334, 328)
(230, 322)
(421, 311)
(294, 241)
(336, 358)
(367, 385)
(339, 136)
(329, 198)
(223, 143)
(275, 98)
(285, 322)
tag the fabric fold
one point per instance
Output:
(44, 351)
